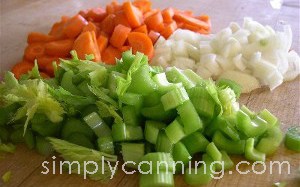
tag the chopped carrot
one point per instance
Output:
(33, 51)
(102, 42)
(204, 18)
(169, 29)
(142, 29)
(90, 27)
(34, 37)
(190, 20)
(57, 28)
(168, 14)
(108, 24)
(110, 54)
(113, 7)
(121, 19)
(140, 42)
(96, 14)
(153, 35)
(43, 61)
(49, 68)
(203, 31)
(86, 44)
(74, 26)
(150, 13)
(59, 48)
(21, 68)
(155, 22)
(143, 5)
(83, 13)
(44, 75)
(124, 48)
(119, 36)
(133, 14)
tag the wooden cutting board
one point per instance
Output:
(19, 17)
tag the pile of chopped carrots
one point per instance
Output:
(106, 33)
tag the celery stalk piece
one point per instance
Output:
(251, 153)
(190, 120)
(230, 146)
(175, 75)
(152, 129)
(213, 152)
(106, 144)
(181, 154)
(158, 162)
(99, 127)
(175, 131)
(158, 113)
(292, 138)
(163, 179)
(270, 141)
(122, 132)
(133, 152)
(67, 83)
(231, 84)
(174, 98)
(195, 143)
(131, 116)
(163, 143)
(268, 117)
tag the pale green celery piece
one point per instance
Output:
(6, 176)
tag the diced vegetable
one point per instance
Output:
(292, 138)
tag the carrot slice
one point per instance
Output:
(121, 19)
(140, 42)
(142, 29)
(155, 22)
(43, 61)
(168, 14)
(22, 68)
(102, 42)
(119, 36)
(34, 37)
(180, 17)
(74, 26)
(33, 51)
(57, 28)
(150, 13)
(134, 15)
(86, 44)
(203, 17)
(110, 54)
(169, 29)
(59, 48)
(108, 24)
(113, 7)
(143, 5)
(96, 14)
(90, 27)
(124, 48)
(153, 36)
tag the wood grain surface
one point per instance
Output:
(18, 17)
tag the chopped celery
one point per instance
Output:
(163, 84)
(131, 116)
(4, 134)
(112, 82)
(67, 83)
(213, 152)
(7, 112)
(29, 139)
(292, 138)
(268, 117)
(152, 129)
(174, 98)
(175, 75)
(99, 127)
(8, 148)
(230, 146)
(231, 84)
(193, 77)
(175, 131)
(270, 141)
(80, 139)
(163, 179)
(16, 136)
(106, 144)
(163, 143)
(159, 162)
(228, 164)
(251, 153)
(133, 152)
(222, 124)
(73, 125)
(180, 154)
(132, 99)
(122, 132)
(190, 120)
(152, 99)
(195, 143)
(158, 113)
(43, 146)
(84, 88)
(6, 176)
(246, 110)
(44, 127)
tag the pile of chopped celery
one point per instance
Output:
(91, 110)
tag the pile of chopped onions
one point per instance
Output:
(253, 55)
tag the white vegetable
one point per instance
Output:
(183, 63)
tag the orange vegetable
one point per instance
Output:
(168, 14)
(143, 5)
(124, 48)
(119, 36)
(150, 13)
(108, 24)
(153, 36)
(59, 48)
(142, 29)
(74, 26)
(33, 51)
(180, 17)
(110, 54)
(44, 75)
(140, 42)
(113, 7)
(96, 14)
(86, 44)
(57, 28)
(21, 68)
(121, 19)
(34, 37)
(49, 68)
(102, 42)
(134, 15)
(169, 29)
(90, 27)
(43, 61)
(155, 22)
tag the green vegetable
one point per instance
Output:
(163, 143)
(251, 153)
(99, 127)
(152, 129)
(175, 132)
(133, 152)
(174, 98)
(6, 176)
(292, 138)
(123, 132)
(159, 162)
(43, 146)
(270, 141)
(9, 148)
(106, 144)
(73, 125)
(230, 146)
(80, 139)
(231, 84)
(195, 143)
(163, 179)
(181, 154)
